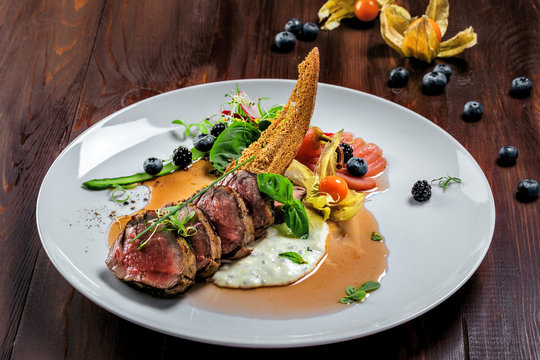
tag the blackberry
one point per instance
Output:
(182, 156)
(347, 151)
(218, 129)
(421, 190)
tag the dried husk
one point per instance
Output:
(419, 40)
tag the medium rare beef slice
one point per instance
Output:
(260, 206)
(205, 243)
(164, 266)
(230, 217)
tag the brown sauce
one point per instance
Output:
(352, 258)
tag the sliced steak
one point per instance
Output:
(205, 243)
(260, 206)
(228, 213)
(164, 266)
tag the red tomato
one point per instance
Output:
(334, 186)
(311, 145)
(366, 10)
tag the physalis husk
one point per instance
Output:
(419, 39)
(333, 11)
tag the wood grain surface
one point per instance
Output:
(64, 65)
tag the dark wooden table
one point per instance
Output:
(67, 64)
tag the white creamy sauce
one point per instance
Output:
(265, 266)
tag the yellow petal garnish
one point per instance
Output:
(419, 39)
(301, 175)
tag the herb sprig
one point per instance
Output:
(358, 294)
(445, 180)
(175, 209)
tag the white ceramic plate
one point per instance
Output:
(434, 247)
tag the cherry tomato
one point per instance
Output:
(366, 10)
(335, 186)
(433, 24)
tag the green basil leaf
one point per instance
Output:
(276, 186)
(231, 142)
(369, 286)
(296, 218)
(358, 295)
(294, 257)
(350, 290)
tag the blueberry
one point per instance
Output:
(445, 69)
(507, 155)
(310, 31)
(357, 166)
(434, 82)
(285, 41)
(203, 142)
(294, 25)
(521, 87)
(527, 189)
(473, 111)
(152, 166)
(398, 77)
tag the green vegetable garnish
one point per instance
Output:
(294, 257)
(280, 189)
(358, 294)
(445, 180)
(375, 236)
(231, 142)
(113, 183)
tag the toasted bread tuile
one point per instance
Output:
(280, 142)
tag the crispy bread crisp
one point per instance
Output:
(280, 142)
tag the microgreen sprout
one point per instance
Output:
(119, 191)
(445, 180)
(375, 236)
(204, 126)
